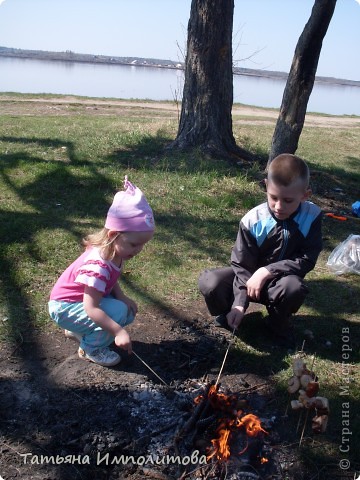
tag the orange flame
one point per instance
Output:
(263, 460)
(221, 448)
(251, 423)
(223, 403)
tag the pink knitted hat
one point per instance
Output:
(130, 212)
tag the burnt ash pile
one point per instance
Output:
(147, 430)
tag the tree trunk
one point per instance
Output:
(301, 79)
(205, 120)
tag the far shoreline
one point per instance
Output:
(73, 57)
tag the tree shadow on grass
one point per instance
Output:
(151, 153)
(337, 180)
(332, 333)
(335, 300)
(35, 141)
(50, 202)
(58, 194)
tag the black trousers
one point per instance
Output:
(282, 296)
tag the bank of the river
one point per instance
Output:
(20, 104)
(70, 56)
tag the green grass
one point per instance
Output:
(58, 174)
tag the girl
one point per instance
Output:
(86, 300)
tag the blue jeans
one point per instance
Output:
(72, 316)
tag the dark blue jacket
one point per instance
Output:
(284, 247)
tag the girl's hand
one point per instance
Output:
(132, 306)
(123, 341)
(120, 295)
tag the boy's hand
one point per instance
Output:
(256, 282)
(123, 341)
(235, 316)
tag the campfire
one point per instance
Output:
(235, 441)
(221, 437)
(223, 428)
(209, 432)
(232, 420)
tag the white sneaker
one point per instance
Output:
(102, 356)
(73, 336)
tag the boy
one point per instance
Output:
(278, 243)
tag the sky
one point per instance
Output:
(265, 32)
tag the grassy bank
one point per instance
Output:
(60, 166)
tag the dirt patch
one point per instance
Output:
(63, 417)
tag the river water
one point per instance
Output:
(136, 82)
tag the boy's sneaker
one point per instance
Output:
(102, 356)
(285, 339)
(73, 336)
(221, 321)
(282, 333)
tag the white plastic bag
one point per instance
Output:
(345, 258)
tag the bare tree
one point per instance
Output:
(205, 120)
(301, 79)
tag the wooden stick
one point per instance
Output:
(300, 416)
(313, 362)
(303, 430)
(223, 363)
(150, 472)
(191, 422)
(287, 405)
(307, 411)
(254, 387)
(151, 370)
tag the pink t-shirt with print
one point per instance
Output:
(89, 269)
